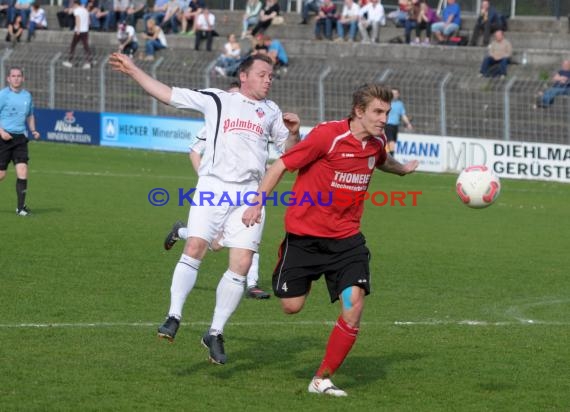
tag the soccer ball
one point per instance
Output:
(478, 187)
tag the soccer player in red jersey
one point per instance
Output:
(323, 237)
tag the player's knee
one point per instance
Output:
(291, 307)
(2, 175)
(196, 247)
(352, 299)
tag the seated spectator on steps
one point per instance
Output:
(412, 20)
(325, 20)
(399, 16)
(251, 16)
(308, 7)
(22, 8)
(155, 40)
(487, 23)
(38, 20)
(205, 29)
(426, 17)
(15, 30)
(135, 12)
(127, 38)
(348, 20)
(170, 19)
(371, 17)
(230, 55)
(187, 16)
(560, 86)
(65, 16)
(450, 22)
(498, 58)
(266, 16)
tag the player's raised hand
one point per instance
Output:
(121, 63)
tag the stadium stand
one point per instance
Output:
(443, 93)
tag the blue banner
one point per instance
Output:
(148, 132)
(66, 126)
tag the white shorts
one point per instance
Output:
(207, 221)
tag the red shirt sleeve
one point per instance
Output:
(314, 146)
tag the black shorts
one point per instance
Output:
(304, 259)
(15, 150)
(391, 132)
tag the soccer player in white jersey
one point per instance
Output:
(239, 127)
(180, 231)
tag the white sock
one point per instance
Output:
(183, 233)
(228, 296)
(253, 274)
(183, 280)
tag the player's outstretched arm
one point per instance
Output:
(391, 165)
(252, 214)
(124, 64)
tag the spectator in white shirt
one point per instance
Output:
(38, 20)
(372, 16)
(205, 23)
(348, 20)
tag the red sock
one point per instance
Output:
(340, 342)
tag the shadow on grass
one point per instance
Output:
(300, 354)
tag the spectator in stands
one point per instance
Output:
(155, 39)
(487, 23)
(38, 20)
(399, 16)
(135, 12)
(65, 16)
(308, 7)
(426, 17)
(266, 16)
(412, 20)
(205, 29)
(100, 14)
(278, 54)
(188, 15)
(395, 117)
(560, 86)
(325, 20)
(156, 13)
(498, 58)
(170, 19)
(348, 20)
(450, 22)
(22, 8)
(127, 38)
(251, 16)
(81, 34)
(230, 55)
(5, 6)
(118, 13)
(15, 30)
(371, 17)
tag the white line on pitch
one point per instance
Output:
(300, 323)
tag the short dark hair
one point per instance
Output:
(19, 68)
(246, 64)
(366, 93)
(234, 83)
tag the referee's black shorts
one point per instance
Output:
(304, 259)
(14, 150)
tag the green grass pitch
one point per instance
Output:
(469, 311)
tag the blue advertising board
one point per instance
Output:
(67, 126)
(148, 132)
